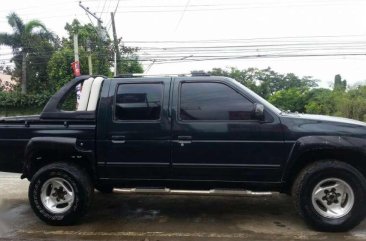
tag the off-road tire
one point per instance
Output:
(81, 184)
(314, 173)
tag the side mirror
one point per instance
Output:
(258, 111)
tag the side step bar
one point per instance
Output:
(211, 192)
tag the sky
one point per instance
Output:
(178, 36)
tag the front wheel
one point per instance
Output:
(330, 195)
(60, 193)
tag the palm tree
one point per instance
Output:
(22, 39)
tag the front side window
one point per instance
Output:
(138, 101)
(213, 101)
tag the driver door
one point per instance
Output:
(216, 137)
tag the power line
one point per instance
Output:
(115, 10)
(261, 56)
(103, 9)
(182, 15)
(359, 45)
(245, 46)
(38, 6)
(223, 57)
(256, 45)
(109, 25)
(245, 39)
(108, 10)
(256, 2)
(205, 8)
(98, 5)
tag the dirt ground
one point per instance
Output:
(148, 217)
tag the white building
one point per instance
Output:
(6, 83)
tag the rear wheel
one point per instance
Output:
(330, 195)
(60, 193)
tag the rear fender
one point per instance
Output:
(42, 150)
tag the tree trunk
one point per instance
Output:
(24, 73)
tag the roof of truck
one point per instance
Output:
(193, 74)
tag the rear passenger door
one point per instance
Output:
(215, 136)
(136, 129)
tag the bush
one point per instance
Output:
(16, 99)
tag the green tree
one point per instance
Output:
(266, 82)
(272, 82)
(24, 41)
(100, 47)
(292, 99)
(321, 101)
(352, 104)
(59, 66)
(5, 69)
(287, 91)
(247, 77)
(129, 61)
(339, 84)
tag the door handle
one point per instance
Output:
(182, 140)
(118, 139)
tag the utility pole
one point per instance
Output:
(94, 16)
(115, 64)
(117, 56)
(76, 64)
(99, 32)
(88, 49)
(76, 67)
(76, 47)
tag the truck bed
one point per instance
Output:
(17, 131)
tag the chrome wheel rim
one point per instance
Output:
(333, 198)
(57, 195)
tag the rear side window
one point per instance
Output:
(213, 102)
(69, 103)
(138, 102)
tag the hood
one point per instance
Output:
(325, 118)
(298, 125)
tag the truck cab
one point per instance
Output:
(206, 130)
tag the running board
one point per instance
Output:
(213, 192)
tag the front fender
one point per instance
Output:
(337, 147)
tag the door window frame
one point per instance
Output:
(179, 120)
(115, 120)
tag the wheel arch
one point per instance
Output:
(41, 151)
(310, 150)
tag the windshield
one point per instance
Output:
(258, 97)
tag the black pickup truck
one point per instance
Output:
(188, 132)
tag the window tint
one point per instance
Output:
(72, 98)
(213, 101)
(70, 101)
(138, 101)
